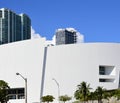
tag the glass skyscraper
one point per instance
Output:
(14, 27)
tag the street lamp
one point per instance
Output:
(58, 88)
(25, 86)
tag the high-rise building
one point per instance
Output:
(14, 27)
(64, 36)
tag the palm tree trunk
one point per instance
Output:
(84, 98)
(100, 101)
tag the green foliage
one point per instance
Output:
(47, 98)
(3, 91)
(99, 93)
(64, 98)
(117, 94)
(82, 91)
(92, 96)
(83, 94)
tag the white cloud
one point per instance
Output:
(71, 29)
(34, 35)
(53, 40)
(80, 37)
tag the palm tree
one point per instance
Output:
(47, 98)
(64, 98)
(117, 94)
(99, 93)
(91, 96)
(82, 91)
(3, 91)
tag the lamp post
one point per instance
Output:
(58, 88)
(25, 86)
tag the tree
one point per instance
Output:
(3, 91)
(47, 98)
(82, 91)
(117, 94)
(64, 98)
(99, 93)
(91, 96)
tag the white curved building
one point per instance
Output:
(95, 63)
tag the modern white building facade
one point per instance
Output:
(95, 63)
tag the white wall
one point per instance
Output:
(68, 64)
(74, 63)
(25, 57)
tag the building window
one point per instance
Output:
(101, 80)
(16, 93)
(107, 80)
(107, 70)
(107, 73)
(12, 96)
(21, 96)
(101, 70)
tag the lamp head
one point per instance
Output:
(17, 73)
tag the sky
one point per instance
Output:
(97, 20)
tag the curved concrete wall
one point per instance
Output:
(72, 64)
(69, 65)
(25, 57)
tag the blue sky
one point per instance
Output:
(97, 20)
